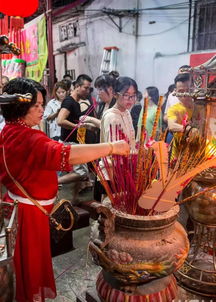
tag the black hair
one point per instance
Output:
(19, 109)
(67, 83)
(139, 96)
(171, 88)
(182, 77)
(123, 84)
(40, 88)
(153, 92)
(105, 81)
(67, 75)
(80, 79)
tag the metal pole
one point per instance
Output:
(136, 39)
(65, 62)
(189, 25)
(51, 64)
(194, 35)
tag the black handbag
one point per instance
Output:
(62, 217)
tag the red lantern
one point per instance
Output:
(21, 8)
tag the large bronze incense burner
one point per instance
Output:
(139, 243)
(138, 255)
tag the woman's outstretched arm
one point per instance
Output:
(80, 154)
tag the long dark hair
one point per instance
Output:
(123, 84)
(153, 92)
(19, 109)
(105, 81)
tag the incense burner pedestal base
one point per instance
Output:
(198, 273)
(161, 290)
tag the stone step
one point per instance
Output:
(83, 218)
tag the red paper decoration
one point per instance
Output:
(21, 8)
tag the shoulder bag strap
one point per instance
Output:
(35, 202)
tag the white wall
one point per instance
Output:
(137, 56)
(165, 69)
(101, 32)
(167, 36)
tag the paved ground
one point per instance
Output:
(74, 271)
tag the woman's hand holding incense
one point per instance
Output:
(120, 147)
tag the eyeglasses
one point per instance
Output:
(128, 97)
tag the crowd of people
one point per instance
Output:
(117, 102)
(76, 115)
(80, 127)
(29, 161)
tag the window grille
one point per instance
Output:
(68, 31)
(71, 72)
(204, 33)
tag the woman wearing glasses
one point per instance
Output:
(117, 122)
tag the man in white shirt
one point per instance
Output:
(171, 100)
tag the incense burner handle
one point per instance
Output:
(106, 226)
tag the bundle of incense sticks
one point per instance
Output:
(125, 179)
(188, 163)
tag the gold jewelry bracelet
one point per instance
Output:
(111, 148)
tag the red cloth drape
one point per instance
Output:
(11, 27)
(4, 26)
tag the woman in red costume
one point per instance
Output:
(33, 159)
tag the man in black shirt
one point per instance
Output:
(68, 119)
(70, 112)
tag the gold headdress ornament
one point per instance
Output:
(10, 98)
